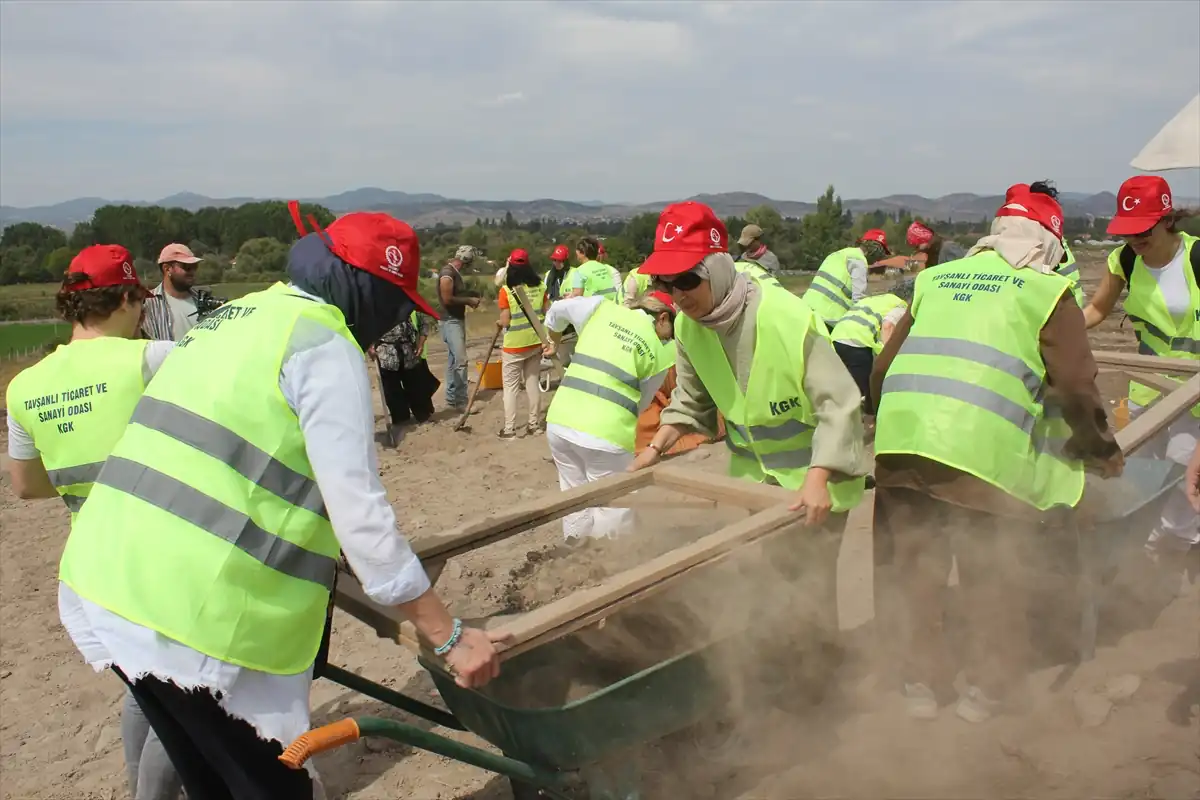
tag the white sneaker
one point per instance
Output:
(920, 701)
(975, 706)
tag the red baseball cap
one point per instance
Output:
(561, 253)
(520, 256)
(663, 297)
(1141, 202)
(876, 235)
(1041, 208)
(376, 243)
(1014, 191)
(601, 253)
(918, 234)
(104, 265)
(686, 233)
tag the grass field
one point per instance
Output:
(20, 338)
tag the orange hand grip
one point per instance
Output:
(318, 740)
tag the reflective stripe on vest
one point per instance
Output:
(943, 394)
(1069, 269)
(1157, 332)
(863, 323)
(769, 426)
(756, 273)
(601, 391)
(206, 523)
(520, 332)
(830, 295)
(597, 280)
(74, 404)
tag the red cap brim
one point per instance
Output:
(1130, 226)
(421, 303)
(671, 262)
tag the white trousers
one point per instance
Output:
(579, 465)
(1179, 527)
(520, 371)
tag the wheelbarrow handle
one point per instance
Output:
(320, 740)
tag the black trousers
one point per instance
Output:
(859, 361)
(217, 757)
(409, 392)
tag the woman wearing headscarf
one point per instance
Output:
(969, 461)
(937, 249)
(1159, 267)
(522, 358)
(758, 355)
(621, 359)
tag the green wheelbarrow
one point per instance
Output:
(571, 751)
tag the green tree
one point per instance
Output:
(55, 265)
(82, 236)
(264, 254)
(41, 239)
(822, 232)
(767, 218)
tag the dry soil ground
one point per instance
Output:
(59, 735)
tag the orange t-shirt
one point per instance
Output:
(503, 303)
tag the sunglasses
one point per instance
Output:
(684, 282)
(1143, 235)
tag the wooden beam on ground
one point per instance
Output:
(721, 488)
(528, 515)
(1158, 416)
(1141, 363)
(582, 608)
(1159, 382)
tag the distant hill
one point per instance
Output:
(424, 210)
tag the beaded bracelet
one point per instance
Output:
(455, 635)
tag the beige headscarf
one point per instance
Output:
(730, 291)
(1022, 243)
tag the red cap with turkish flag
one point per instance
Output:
(686, 233)
(519, 257)
(1141, 202)
(561, 253)
(918, 234)
(101, 265)
(376, 243)
(1041, 208)
(876, 235)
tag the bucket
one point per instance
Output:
(492, 377)
(1121, 414)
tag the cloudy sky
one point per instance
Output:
(617, 101)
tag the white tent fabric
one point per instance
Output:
(1177, 145)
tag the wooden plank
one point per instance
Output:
(528, 515)
(564, 615)
(527, 307)
(1136, 361)
(721, 488)
(1158, 416)
(1160, 382)
(350, 597)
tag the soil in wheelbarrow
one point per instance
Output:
(694, 612)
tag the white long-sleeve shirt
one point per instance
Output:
(324, 380)
(858, 278)
(576, 311)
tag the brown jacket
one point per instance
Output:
(1071, 374)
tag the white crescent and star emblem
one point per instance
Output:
(714, 236)
(1056, 224)
(673, 229)
(1166, 202)
(1125, 205)
(395, 258)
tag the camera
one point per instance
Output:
(206, 303)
